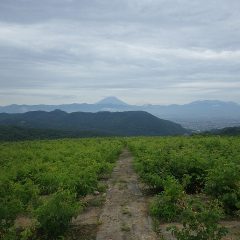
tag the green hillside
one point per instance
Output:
(91, 124)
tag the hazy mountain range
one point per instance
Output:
(201, 115)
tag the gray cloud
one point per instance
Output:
(55, 51)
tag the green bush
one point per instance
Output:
(167, 205)
(223, 182)
(200, 222)
(31, 171)
(191, 164)
(56, 213)
(10, 205)
(27, 192)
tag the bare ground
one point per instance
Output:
(125, 215)
(232, 226)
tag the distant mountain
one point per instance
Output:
(207, 109)
(211, 109)
(112, 104)
(113, 101)
(133, 123)
(202, 115)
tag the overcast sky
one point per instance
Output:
(142, 51)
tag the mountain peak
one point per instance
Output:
(112, 101)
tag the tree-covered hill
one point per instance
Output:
(229, 131)
(15, 133)
(132, 123)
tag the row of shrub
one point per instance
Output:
(44, 180)
(191, 171)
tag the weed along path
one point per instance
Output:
(124, 215)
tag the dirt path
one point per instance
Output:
(124, 216)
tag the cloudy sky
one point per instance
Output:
(142, 51)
